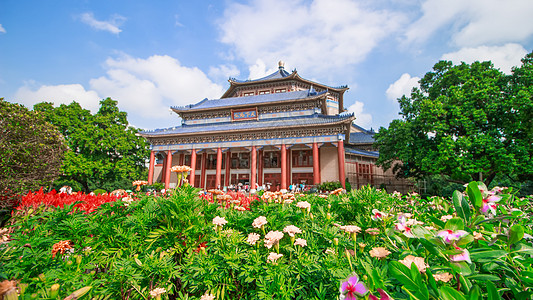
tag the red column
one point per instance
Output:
(164, 169)
(202, 176)
(151, 168)
(289, 167)
(283, 167)
(228, 168)
(253, 171)
(167, 169)
(193, 168)
(316, 165)
(218, 180)
(340, 152)
(260, 172)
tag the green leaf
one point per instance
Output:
(455, 224)
(449, 293)
(487, 256)
(461, 267)
(516, 233)
(523, 249)
(484, 277)
(492, 292)
(461, 206)
(474, 195)
(475, 293)
(432, 282)
(402, 274)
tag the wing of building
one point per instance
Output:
(271, 132)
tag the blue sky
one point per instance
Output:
(150, 55)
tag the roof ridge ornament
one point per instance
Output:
(281, 65)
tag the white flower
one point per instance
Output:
(291, 230)
(253, 238)
(303, 205)
(218, 221)
(259, 222)
(273, 257)
(158, 291)
(207, 296)
(300, 242)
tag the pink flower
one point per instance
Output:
(382, 296)
(489, 204)
(465, 256)
(352, 289)
(377, 215)
(450, 236)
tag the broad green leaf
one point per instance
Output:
(523, 249)
(461, 206)
(461, 267)
(516, 233)
(449, 293)
(484, 277)
(474, 195)
(432, 282)
(487, 256)
(455, 224)
(465, 284)
(475, 293)
(402, 274)
(492, 292)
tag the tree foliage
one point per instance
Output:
(104, 151)
(467, 121)
(31, 151)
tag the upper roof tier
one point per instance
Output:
(236, 102)
(279, 76)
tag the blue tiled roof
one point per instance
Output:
(361, 138)
(316, 119)
(280, 73)
(361, 152)
(256, 99)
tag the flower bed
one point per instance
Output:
(367, 243)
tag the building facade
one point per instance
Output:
(271, 132)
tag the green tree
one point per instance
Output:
(31, 151)
(104, 151)
(462, 123)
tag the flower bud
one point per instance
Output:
(54, 290)
(42, 277)
(328, 216)
(335, 241)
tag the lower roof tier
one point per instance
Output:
(250, 125)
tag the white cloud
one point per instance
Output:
(474, 22)
(402, 86)
(146, 88)
(259, 70)
(323, 35)
(503, 57)
(223, 72)
(58, 94)
(111, 25)
(361, 118)
(2, 29)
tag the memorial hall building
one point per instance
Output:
(270, 132)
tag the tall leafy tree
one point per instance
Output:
(105, 151)
(31, 152)
(463, 123)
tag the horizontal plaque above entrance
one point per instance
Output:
(244, 114)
